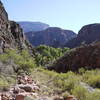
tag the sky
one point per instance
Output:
(67, 14)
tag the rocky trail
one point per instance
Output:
(27, 89)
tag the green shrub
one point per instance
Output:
(65, 95)
(22, 59)
(81, 71)
(94, 81)
(80, 92)
(94, 96)
(45, 54)
(3, 82)
(4, 58)
(92, 78)
(66, 81)
(6, 81)
(60, 83)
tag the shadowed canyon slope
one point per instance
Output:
(88, 34)
(87, 56)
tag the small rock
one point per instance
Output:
(36, 88)
(16, 90)
(58, 98)
(27, 87)
(71, 97)
(19, 97)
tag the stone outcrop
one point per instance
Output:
(52, 36)
(11, 35)
(87, 56)
(88, 34)
(17, 34)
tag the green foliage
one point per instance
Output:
(22, 59)
(4, 57)
(62, 81)
(46, 54)
(94, 81)
(6, 81)
(92, 78)
(66, 81)
(3, 82)
(80, 92)
(94, 96)
(81, 70)
(65, 95)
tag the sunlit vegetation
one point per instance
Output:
(22, 59)
(46, 55)
(7, 81)
(67, 83)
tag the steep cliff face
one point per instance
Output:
(87, 56)
(11, 35)
(87, 34)
(52, 36)
(17, 34)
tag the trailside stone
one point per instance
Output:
(71, 97)
(20, 97)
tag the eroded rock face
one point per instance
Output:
(17, 33)
(87, 56)
(88, 34)
(52, 36)
(11, 35)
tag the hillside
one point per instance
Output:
(87, 56)
(32, 26)
(52, 36)
(88, 34)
